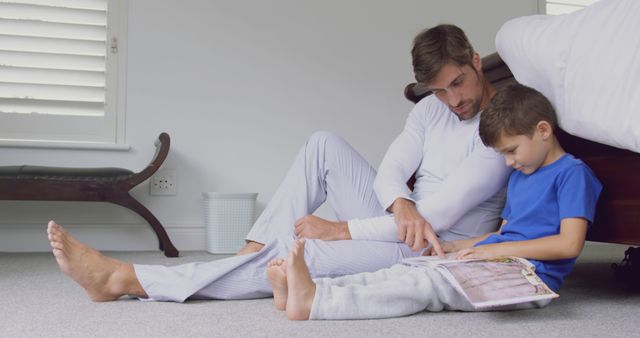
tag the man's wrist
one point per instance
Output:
(400, 203)
(342, 231)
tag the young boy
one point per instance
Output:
(551, 201)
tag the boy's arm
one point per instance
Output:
(464, 243)
(567, 244)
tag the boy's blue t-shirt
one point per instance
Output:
(537, 203)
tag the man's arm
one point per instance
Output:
(402, 159)
(479, 177)
(400, 162)
(311, 226)
(412, 227)
(567, 244)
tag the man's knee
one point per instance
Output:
(325, 140)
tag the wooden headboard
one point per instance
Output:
(618, 212)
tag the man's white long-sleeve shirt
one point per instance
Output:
(460, 182)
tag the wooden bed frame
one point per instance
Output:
(618, 212)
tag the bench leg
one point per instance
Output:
(129, 202)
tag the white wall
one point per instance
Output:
(239, 85)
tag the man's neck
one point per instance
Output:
(488, 91)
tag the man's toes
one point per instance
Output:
(57, 239)
(58, 253)
(54, 233)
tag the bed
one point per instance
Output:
(618, 212)
(585, 63)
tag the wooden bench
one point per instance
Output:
(37, 183)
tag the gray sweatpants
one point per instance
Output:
(326, 169)
(393, 292)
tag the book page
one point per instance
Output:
(490, 282)
(433, 261)
(499, 281)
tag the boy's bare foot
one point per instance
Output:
(277, 273)
(103, 278)
(250, 247)
(301, 287)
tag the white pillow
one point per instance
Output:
(587, 63)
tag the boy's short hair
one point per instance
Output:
(515, 110)
(437, 46)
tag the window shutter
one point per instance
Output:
(54, 57)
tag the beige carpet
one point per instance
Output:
(39, 301)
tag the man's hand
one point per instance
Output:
(447, 247)
(413, 229)
(311, 226)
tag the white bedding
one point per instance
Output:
(587, 63)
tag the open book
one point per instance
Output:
(490, 282)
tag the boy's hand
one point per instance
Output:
(478, 252)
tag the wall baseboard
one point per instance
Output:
(118, 237)
(104, 237)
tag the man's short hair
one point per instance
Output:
(437, 46)
(515, 110)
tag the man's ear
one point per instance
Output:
(544, 128)
(477, 61)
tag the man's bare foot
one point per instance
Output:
(250, 247)
(103, 278)
(301, 287)
(277, 274)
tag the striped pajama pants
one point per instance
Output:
(326, 169)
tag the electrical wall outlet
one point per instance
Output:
(164, 182)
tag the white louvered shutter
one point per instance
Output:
(58, 71)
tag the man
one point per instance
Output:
(458, 194)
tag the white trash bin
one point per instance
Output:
(228, 218)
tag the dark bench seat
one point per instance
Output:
(58, 173)
(38, 183)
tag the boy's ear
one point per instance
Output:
(544, 128)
